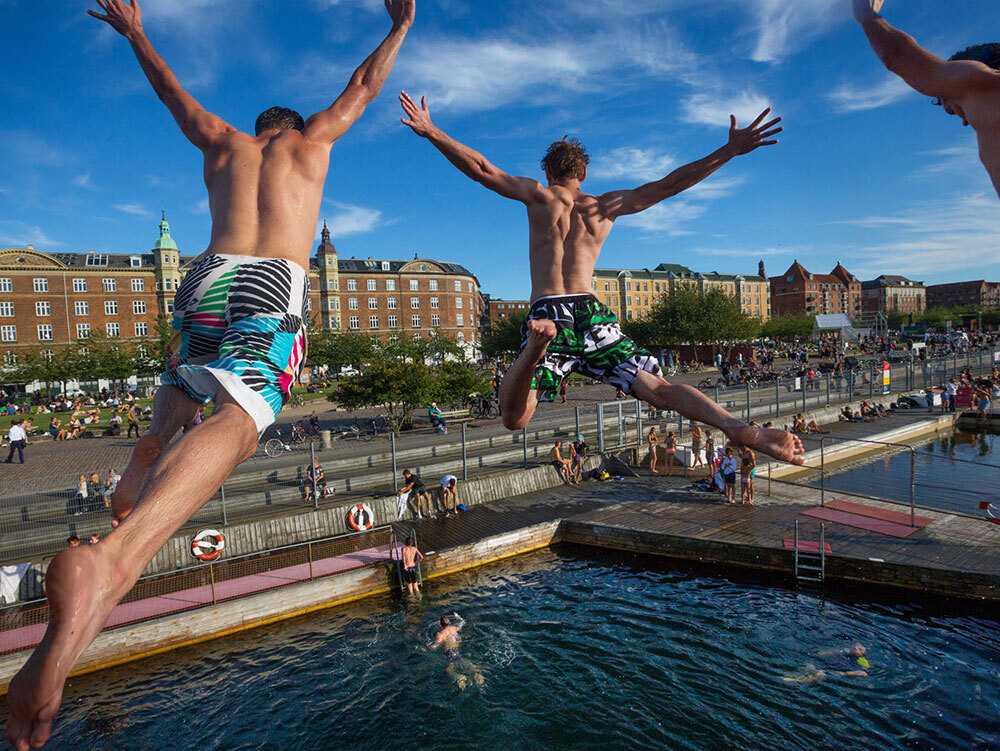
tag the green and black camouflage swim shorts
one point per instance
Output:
(588, 341)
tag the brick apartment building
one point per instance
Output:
(498, 309)
(981, 294)
(55, 298)
(632, 293)
(892, 294)
(799, 291)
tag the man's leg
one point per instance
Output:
(694, 405)
(84, 584)
(517, 401)
(172, 409)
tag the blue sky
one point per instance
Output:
(867, 172)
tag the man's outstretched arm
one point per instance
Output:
(923, 71)
(469, 161)
(200, 126)
(741, 141)
(331, 123)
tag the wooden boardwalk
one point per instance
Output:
(951, 555)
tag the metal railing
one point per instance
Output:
(212, 583)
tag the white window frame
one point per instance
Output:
(110, 307)
(458, 285)
(83, 331)
(354, 323)
(390, 285)
(415, 321)
(138, 307)
(373, 322)
(434, 285)
(458, 303)
(8, 333)
(113, 329)
(372, 303)
(141, 328)
(414, 285)
(435, 303)
(352, 303)
(109, 285)
(435, 321)
(352, 285)
(43, 308)
(459, 319)
(414, 303)
(138, 285)
(41, 284)
(6, 284)
(6, 309)
(45, 332)
(372, 285)
(393, 322)
(390, 303)
(81, 308)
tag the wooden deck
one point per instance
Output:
(947, 554)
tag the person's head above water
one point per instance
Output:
(279, 118)
(566, 160)
(857, 650)
(445, 622)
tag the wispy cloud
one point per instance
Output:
(667, 218)
(852, 98)
(352, 220)
(715, 187)
(27, 147)
(134, 209)
(960, 160)
(786, 26)
(18, 234)
(83, 181)
(201, 207)
(710, 109)
(632, 163)
(959, 233)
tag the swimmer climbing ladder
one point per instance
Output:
(810, 566)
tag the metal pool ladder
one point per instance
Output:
(809, 566)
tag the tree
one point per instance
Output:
(440, 346)
(504, 339)
(396, 385)
(789, 326)
(455, 382)
(342, 350)
(691, 316)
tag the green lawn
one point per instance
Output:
(42, 421)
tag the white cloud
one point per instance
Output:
(370, 5)
(747, 253)
(134, 209)
(785, 26)
(632, 163)
(708, 109)
(715, 187)
(666, 218)
(851, 98)
(27, 147)
(17, 234)
(353, 220)
(959, 233)
(83, 181)
(201, 207)
(476, 75)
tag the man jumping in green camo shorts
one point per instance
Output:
(568, 329)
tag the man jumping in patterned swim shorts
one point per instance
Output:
(239, 324)
(568, 329)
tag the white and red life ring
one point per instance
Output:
(208, 545)
(360, 517)
(992, 509)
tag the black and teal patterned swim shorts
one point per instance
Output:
(588, 341)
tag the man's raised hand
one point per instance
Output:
(419, 117)
(125, 18)
(866, 10)
(401, 12)
(745, 140)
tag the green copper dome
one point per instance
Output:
(165, 241)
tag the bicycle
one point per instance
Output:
(486, 408)
(276, 446)
(297, 400)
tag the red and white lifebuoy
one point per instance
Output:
(992, 509)
(208, 545)
(360, 517)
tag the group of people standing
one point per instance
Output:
(723, 464)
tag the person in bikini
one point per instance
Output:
(966, 86)
(239, 325)
(568, 329)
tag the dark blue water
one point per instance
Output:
(953, 472)
(577, 652)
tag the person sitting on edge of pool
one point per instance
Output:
(850, 662)
(459, 669)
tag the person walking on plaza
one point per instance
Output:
(449, 489)
(568, 329)
(414, 485)
(133, 422)
(18, 438)
(966, 86)
(411, 557)
(239, 324)
(437, 421)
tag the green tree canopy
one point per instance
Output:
(504, 339)
(789, 326)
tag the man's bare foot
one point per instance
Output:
(147, 450)
(777, 443)
(541, 331)
(82, 589)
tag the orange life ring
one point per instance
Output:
(360, 517)
(208, 545)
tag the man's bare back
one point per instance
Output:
(966, 86)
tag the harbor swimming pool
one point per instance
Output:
(578, 649)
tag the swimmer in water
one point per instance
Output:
(459, 669)
(845, 662)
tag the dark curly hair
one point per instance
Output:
(281, 118)
(566, 159)
(987, 54)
